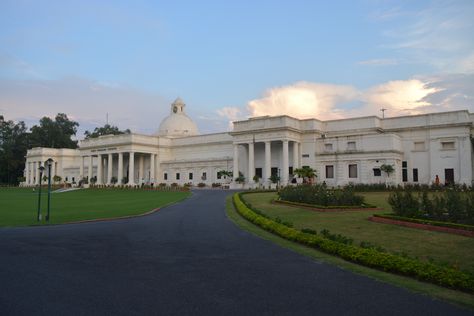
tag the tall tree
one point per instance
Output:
(54, 134)
(13, 146)
(105, 130)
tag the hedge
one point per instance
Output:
(426, 221)
(370, 257)
(324, 207)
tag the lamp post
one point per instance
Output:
(49, 164)
(41, 169)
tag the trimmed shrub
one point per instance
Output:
(320, 195)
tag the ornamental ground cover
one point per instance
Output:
(441, 248)
(320, 194)
(18, 205)
(445, 276)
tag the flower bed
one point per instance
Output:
(452, 228)
(370, 257)
(322, 208)
(320, 195)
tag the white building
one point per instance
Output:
(341, 151)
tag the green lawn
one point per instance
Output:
(18, 206)
(443, 248)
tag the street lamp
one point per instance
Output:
(49, 164)
(41, 169)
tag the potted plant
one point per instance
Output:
(274, 179)
(388, 169)
(305, 173)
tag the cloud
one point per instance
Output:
(83, 100)
(438, 35)
(398, 96)
(303, 100)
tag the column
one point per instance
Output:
(38, 164)
(81, 168)
(131, 169)
(89, 170)
(251, 162)
(120, 168)
(268, 161)
(152, 168)
(140, 170)
(99, 169)
(236, 162)
(285, 166)
(110, 163)
(27, 170)
(295, 156)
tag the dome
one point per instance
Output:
(177, 124)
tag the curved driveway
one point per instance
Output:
(188, 258)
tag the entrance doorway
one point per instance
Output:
(448, 176)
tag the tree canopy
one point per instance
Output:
(105, 130)
(15, 140)
(14, 143)
(54, 134)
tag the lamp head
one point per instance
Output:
(49, 161)
(41, 168)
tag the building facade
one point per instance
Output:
(419, 147)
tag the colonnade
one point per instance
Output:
(284, 176)
(105, 173)
(32, 172)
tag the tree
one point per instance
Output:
(14, 143)
(54, 134)
(240, 178)
(57, 178)
(105, 130)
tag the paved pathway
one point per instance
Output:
(186, 259)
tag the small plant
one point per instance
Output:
(201, 185)
(240, 179)
(306, 172)
(256, 178)
(57, 178)
(113, 180)
(274, 178)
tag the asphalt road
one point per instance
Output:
(188, 258)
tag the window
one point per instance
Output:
(377, 172)
(328, 147)
(190, 176)
(447, 145)
(258, 172)
(218, 175)
(274, 171)
(404, 171)
(177, 176)
(353, 171)
(330, 172)
(351, 145)
(290, 170)
(415, 175)
(204, 176)
(305, 155)
(419, 146)
(165, 176)
(66, 179)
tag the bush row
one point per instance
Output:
(370, 256)
(376, 187)
(319, 194)
(426, 221)
(330, 207)
(449, 206)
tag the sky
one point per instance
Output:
(126, 61)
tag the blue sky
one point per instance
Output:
(324, 59)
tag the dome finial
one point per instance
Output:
(177, 107)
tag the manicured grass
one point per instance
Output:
(18, 206)
(456, 297)
(443, 248)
